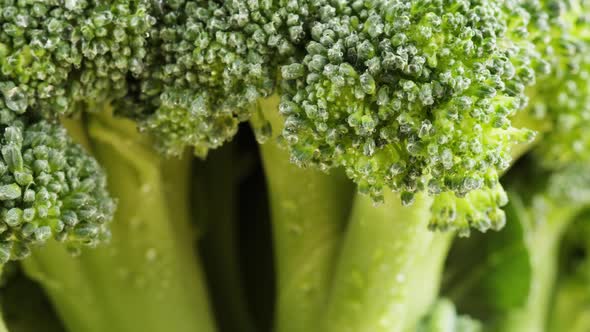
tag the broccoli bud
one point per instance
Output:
(561, 97)
(414, 96)
(211, 61)
(49, 188)
(58, 55)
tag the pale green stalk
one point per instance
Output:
(147, 278)
(309, 210)
(542, 238)
(374, 284)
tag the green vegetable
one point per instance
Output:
(451, 118)
(53, 192)
(148, 278)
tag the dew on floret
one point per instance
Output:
(42, 233)
(414, 148)
(10, 192)
(20, 251)
(13, 217)
(15, 99)
(369, 147)
(368, 83)
(464, 232)
(397, 168)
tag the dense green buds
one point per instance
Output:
(479, 209)
(49, 188)
(415, 96)
(211, 61)
(409, 96)
(55, 55)
(406, 96)
(562, 97)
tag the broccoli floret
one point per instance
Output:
(210, 61)
(412, 96)
(58, 55)
(561, 97)
(49, 188)
(415, 97)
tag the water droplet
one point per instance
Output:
(295, 229)
(400, 278)
(16, 100)
(263, 133)
(151, 254)
(146, 188)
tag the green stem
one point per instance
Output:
(147, 278)
(427, 272)
(216, 195)
(542, 241)
(374, 281)
(571, 309)
(3, 326)
(309, 211)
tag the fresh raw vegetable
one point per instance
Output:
(296, 165)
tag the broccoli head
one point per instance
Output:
(49, 188)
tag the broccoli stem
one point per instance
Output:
(376, 285)
(3, 327)
(428, 272)
(215, 195)
(308, 211)
(542, 241)
(147, 278)
(571, 311)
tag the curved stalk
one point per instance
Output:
(309, 211)
(147, 278)
(542, 239)
(3, 326)
(383, 248)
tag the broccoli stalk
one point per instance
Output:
(51, 190)
(542, 205)
(544, 227)
(443, 317)
(380, 247)
(570, 310)
(148, 278)
(308, 211)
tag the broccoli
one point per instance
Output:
(52, 191)
(569, 311)
(423, 105)
(65, 59)
(542, 206)
(443, 318)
